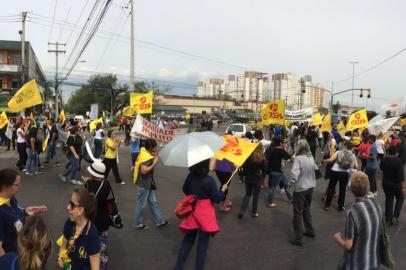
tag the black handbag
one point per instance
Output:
(113, 213)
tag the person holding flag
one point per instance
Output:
(146, 185)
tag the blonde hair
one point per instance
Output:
(359, 184)
(303, 148)
(258, 155)
(34, 244)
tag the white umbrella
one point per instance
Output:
(191, 148)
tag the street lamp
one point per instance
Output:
(353, 63)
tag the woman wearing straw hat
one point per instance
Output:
(101, 189)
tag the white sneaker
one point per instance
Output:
(376, 194)
(370, 194)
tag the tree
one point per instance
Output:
(101, 89)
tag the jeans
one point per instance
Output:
(145, 196)
(364, 165)
(250, 188)
(186, 247)
(111, 163)
(342, 179)
(274, 179)
(32, 161)
(390, 194)
(22, 155)
(371, 172)
(73, 168)
(51, 152)
(97, 148)
(301, 213)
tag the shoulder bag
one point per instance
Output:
(385, 251)
(186, 206)
(112, 211)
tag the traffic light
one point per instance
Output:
(369, 93)
(361, 94)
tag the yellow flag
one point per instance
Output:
(62, 117)
(104, 114)
(274, 113)
(128, 111)
(358, 119)
(235, 150)
(403, 121)
(187, 116)
(341, 128)
(316, 119)
(32, 117)
(143, 156)
(142, 102)
(93, 123)
(326, 124)
(3, 119)
(44, 144)
(27, 96)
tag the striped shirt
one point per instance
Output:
(363, 226)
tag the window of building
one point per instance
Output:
(14, 84)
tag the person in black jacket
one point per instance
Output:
(393, 185)
(97, 185)
(401, 148)
(254, 171)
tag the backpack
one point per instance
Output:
(344, 159)
(186, 206)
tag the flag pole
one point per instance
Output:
(229, 180)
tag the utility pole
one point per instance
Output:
(22, 33)
(132, 56)
(353, 74)
(57, 52)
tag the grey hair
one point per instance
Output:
(302, 148)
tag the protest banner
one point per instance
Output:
(3, 119)
(357, 119)
(273, 113)
(326, 124)
(316, 119)
(144, 128)
(27, 96)
(142, 102)
(382, 125)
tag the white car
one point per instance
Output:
(238, 130)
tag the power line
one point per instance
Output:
(373, 67)
(52, 26)
(63, 26)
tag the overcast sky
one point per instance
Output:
(315, 37)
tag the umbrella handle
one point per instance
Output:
(229, 180)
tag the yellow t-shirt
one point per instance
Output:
(110, 153)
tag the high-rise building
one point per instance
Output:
(249, 86)
(298, 93)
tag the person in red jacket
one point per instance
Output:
(363, 153)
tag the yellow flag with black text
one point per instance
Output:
(341, 128)
(358, 119)
(316, 119)
(143, 156)
(142, 102)
(27, 96)
(273, 113)
(3, 119)
(326, 124)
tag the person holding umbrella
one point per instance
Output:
(203, 221)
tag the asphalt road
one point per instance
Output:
(250, 243)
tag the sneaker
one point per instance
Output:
(41, 167)
(76, 182)
(141, 227)
(370, 194)
(120, 183)
(325, 208)
(29, 173)
(24, 170)
(63, 178)
(271, 205)
(309, 234)
(283, 192)
(340, 209)
(254, 215)
(296, 242)
(228, 203)
(376, 194)
(39, 172)
(58, 164)
(163, 224)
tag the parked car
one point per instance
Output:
(238, 129)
